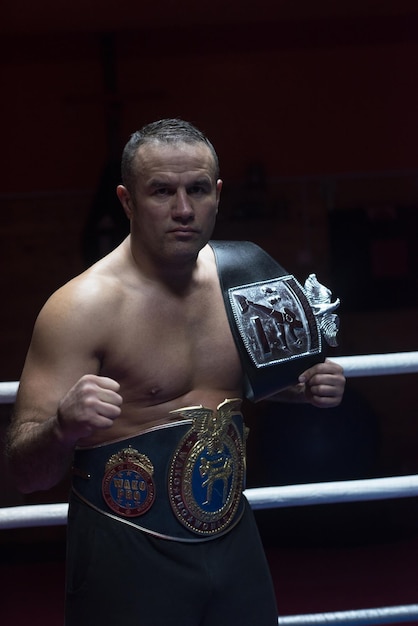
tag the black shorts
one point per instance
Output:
(119, 576)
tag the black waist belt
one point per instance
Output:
(277, 329)
(181, 481)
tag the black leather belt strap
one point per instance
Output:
(278, 341)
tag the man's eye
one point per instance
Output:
(197, 190)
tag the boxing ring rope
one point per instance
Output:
(362, 617)
(8, 392)
(36, 515)
(354, 366)
(285, 496)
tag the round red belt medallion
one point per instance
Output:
(128, 486)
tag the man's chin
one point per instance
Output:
(187, 248)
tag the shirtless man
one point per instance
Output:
(114, 352)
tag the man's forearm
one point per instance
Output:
(37, 455)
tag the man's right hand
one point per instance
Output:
(92, 403)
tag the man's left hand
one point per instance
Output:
(323, 384)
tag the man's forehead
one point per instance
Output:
(175, 157)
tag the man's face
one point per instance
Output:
(174, 204)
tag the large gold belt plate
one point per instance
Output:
(206, 475)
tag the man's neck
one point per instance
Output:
(177, 274)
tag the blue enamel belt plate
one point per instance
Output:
(206, 475)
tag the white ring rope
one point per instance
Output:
(333, 492)
(259, 498)
(8, 392)
(34, 515)
(354, 366)
(284, 496)
(378, 364)
(383, 615)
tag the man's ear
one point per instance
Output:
(125, 200)
(219, 184)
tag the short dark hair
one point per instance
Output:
(166, 131)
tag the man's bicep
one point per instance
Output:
(60, 353)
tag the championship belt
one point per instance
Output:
(182, 481)
(278, 325)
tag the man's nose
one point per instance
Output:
(182, 205)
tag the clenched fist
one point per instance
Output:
(92, 403)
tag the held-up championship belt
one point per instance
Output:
(278, 325)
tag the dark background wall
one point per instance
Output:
(312, 108)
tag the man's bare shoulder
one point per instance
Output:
(93, 295)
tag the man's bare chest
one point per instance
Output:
(173, 345)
